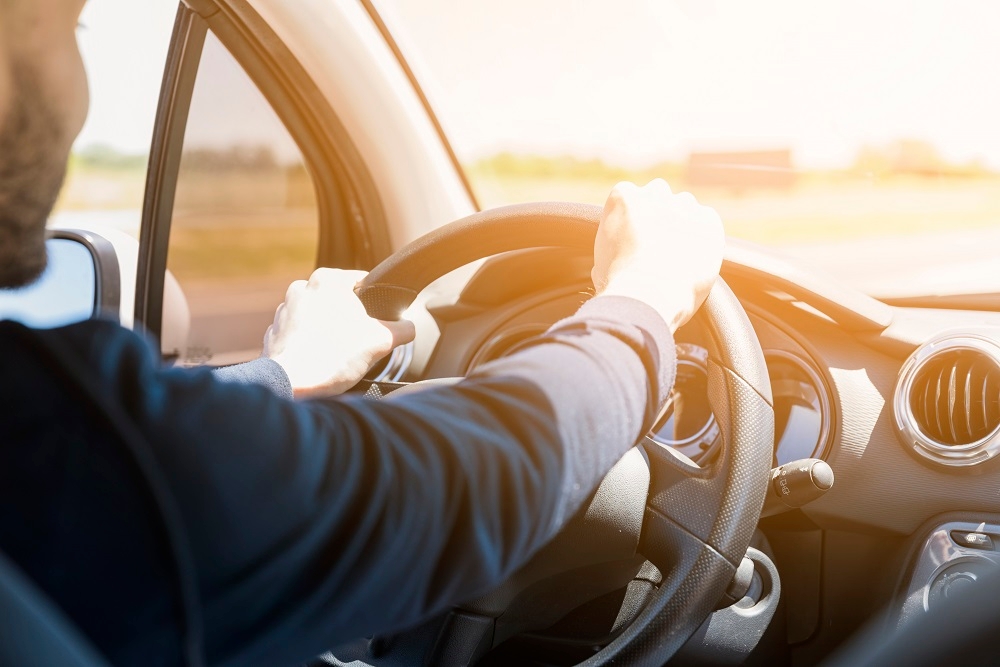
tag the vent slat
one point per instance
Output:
(951, 403)
(938, 422)
(968, 402)
(977, 416)
(986, 401)
(996, 412)
(928, 400)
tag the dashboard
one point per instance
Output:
(838, 363)
(803, 402)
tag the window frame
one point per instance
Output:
(352, 226)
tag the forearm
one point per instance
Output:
(602, 396)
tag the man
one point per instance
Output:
(184, 515)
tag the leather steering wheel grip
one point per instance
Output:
(698, 522)
(391, 287)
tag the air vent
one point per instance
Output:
(948, 400)
(956, 397)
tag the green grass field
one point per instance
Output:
(226, 226)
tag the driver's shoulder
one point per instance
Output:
(95, 341)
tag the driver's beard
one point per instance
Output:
(32, 168)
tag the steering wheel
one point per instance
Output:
(694, 524)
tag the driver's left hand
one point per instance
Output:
(323, 337)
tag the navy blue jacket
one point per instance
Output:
(308, 523)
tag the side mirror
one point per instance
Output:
(81, 281)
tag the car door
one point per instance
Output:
(252, 183)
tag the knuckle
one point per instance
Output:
(295, 289)
(623, 189)
(658, 185)
(322, 276)
(351, 275)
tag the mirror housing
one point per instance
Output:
(81, 281)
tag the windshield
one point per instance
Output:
(860, 138)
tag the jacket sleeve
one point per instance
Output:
(313, 523)
(264, 372)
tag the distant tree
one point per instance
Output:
(912, 157)
(568, 167)
(104, 156)
(235, 158)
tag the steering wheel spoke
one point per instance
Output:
(680, 509)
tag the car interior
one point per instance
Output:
(821, 485)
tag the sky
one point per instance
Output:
(638, 81)
(228, 111)
(124, 45)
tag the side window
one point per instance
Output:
(245, 222)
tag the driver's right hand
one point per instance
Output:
(661, 248)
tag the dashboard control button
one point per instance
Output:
(972, 540)
(954, 579)
(958, 584)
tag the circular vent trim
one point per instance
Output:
(953, 454)
(501, 344)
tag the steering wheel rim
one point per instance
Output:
(698, 522)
